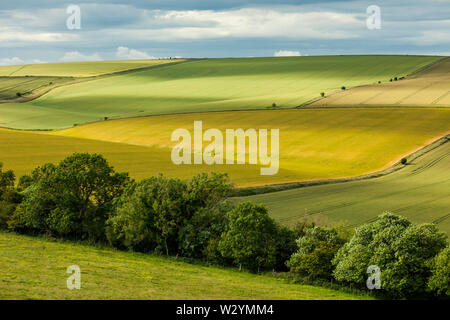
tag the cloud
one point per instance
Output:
(286, 53)
(244, 23)
(14, 61)
(131, 54)
(11, 61)
(77, 56)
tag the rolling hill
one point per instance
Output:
(204, 85)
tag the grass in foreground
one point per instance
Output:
(314, 144)
(34, 268)
(205, 85)
(430, 87)
(419, 192)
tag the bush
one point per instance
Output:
(250, 237)
(400, 249)
(404, 161)
(316, 250)
(322, 94)
(343, 88)
(440, 268)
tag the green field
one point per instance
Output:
(205, 85)
(314, 144)
(34, 268)
(420, 192)
(79, 69)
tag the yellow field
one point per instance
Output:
(314, 144)
(79, 69)
(430, 87)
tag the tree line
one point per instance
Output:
(84, 198)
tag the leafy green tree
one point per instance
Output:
(285, 246)
(439, 281)
(164, 214)
(400, 249)
(9, 197)
(316, 250)
(72, 199)
(204, 226)
(250, 238)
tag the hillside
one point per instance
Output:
(204, 85)
(430, 88)
(34, 268)
(419, 192)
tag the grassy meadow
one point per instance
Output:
(430, 87)
(314, 144)
(205, 85)
(35, 268)
(420, 192)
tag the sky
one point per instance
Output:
(52, 31)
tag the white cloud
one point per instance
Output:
(286, 53)
(14, 61)
(11, 61)
(290, 23)
(77, 56)
(15, 35)
(131, 54)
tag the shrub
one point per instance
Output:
(250, 237)
(440, 268)
(400, 249)
(18, 94)
(343, 88)
(322, 94)
(274, 105)
(404, 161)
